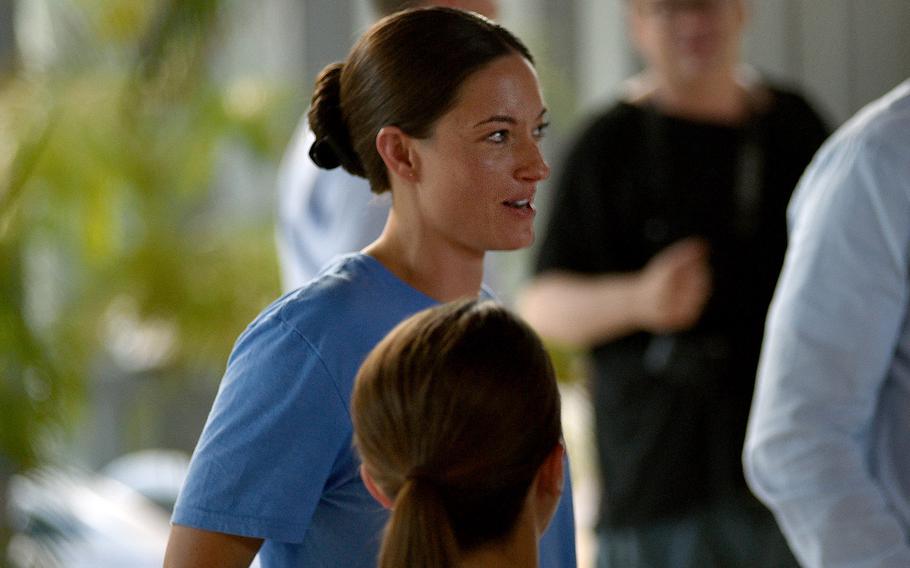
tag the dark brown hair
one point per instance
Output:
(454, 412)
(405, 71)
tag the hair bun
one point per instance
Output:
(333, 141)
(323, 154)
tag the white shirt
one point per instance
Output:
(828, 444)
(321, 213)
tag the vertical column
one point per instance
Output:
(283, 43)
(879, 57)
(773, 37)
(327, 32)
(827, 45)
(559, 21)
(264, 40)
(605, 57)
(843, 53)
(7, 39)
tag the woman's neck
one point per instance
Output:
(442, 272)
(519, 551)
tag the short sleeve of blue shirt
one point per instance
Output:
(275, 459)
(275, 395)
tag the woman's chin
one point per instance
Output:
(516, 243)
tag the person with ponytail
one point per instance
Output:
(442, 108)
(457, 418)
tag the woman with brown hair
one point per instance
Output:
(456, 416)
(443, 109)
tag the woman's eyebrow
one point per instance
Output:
(505, 118)
(497, 118)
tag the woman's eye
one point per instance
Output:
(541, 130)
(498, 136)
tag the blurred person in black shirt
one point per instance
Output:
(665, 239)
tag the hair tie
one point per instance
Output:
(324, 154)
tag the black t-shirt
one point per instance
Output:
(671, 410)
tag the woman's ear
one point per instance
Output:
(547, 487)
(551, 471)
(374, 489)
(396, 149)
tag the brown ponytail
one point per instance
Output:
(419, 532)
(454, 412)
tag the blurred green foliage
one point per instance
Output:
(118, 240)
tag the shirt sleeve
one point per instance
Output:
(267, 450)
(832, 331)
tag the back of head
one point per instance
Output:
(454, 413)
(405, 71)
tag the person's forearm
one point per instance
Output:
(193, 548)
(580, 310)
(804, 459)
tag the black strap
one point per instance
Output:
(747, 183)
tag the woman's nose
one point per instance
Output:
(534, 167)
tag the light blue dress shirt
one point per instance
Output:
(828, 444)
(321, 213)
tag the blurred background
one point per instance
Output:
(139, 141)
